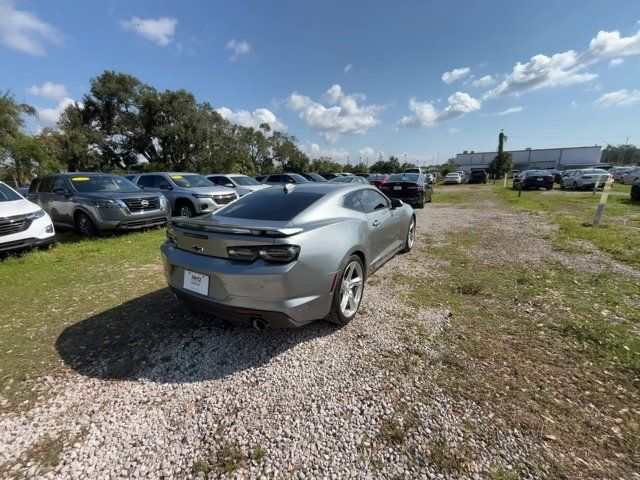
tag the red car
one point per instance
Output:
(377, 179)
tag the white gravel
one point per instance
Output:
(320, 402)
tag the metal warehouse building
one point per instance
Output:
(560, 158)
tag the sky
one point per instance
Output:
(422, 80)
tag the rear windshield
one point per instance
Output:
(102, 183)
(270, 204)
(403, 177)
(7, 194)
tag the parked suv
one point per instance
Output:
(241, 183)
(93, 202)
(478, 175)
(22, 224)
(188, 194)
(283, 179)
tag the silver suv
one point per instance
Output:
(92, 202)
(189, 194)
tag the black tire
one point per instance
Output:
(185, 209)
(561, 185)
(410, 240)
(422, 201)
(635, 193)
(335, 313)
(549, 188)
(85, 226)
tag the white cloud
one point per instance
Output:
(455, 75)
(573, 104)
(343, 116)
(158, 30)
(24, 31)
(48, 117)
(238, 48)
(616, 62)
(509, 111)
(485, 81)
(424, 114)
(313, 150)
(347, 67)
(253, 119)
(619, 98)
(54, 91)
(568, 67)
(366, 152)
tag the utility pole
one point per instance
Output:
(624, 151)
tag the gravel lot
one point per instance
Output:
(194, 398)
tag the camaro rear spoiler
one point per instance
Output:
(237, 230)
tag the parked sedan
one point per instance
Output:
(585, 178)
(377, 179)
(411, 188)
(618, 172)
(453, 178)
(631, 176)
(242, 184)
(534, 179)
(95, 202)
(284, 257)
(351, 179)
(22, 223)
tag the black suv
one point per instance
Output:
(478, 175)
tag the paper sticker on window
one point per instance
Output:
(80, 179)
(176, 177)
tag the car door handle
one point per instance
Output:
(376, 223)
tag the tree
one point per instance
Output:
(503, 162)
(406, 165)
(11, 137)
(324, 165)
(448, 167)
(621, 154)
(360, 167)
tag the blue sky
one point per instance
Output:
(426, 79)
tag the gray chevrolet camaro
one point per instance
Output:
(286, 256)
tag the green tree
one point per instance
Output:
(621, 154)
(324, 165)
(448, 167)
(11, 125)
(503, 162)
(360, 168)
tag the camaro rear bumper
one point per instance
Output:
(281, 295)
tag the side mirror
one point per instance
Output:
(230, 185)
(395, 203)
(166, 187)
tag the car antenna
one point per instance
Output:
(288, 188)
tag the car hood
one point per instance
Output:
(17, 207)
(210, 190)
(118, 195)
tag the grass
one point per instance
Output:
(43, 292)
(554, 352)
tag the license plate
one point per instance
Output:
(539, 179)
(196, 282)
(397, 187)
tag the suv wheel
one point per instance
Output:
(85, 226)
(348, 291)
(185, 209)
(635, 192)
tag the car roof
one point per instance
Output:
(169, 173)
(75, 174)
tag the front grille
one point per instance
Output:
(224, 199)
(15, 224)
(142, 204)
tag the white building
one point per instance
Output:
(528, 159)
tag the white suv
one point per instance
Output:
(22, 224)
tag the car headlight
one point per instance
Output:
(201, 195)
(163, 202)
(34, 215)
(106, 204)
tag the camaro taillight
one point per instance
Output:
(274, 253)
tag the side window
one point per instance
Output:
(352, 202)
(46, 185)
(146, 181)
(372, 201)
(160, 181)
(216, 180)
(275, 179)
(33, 188)
(59, 184)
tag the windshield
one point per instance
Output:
(244, 180)
(270, 204)
(191, 181)
(7, 194)
(102, 183)
(298, 178)
(406, 177)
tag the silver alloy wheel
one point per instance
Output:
(411, 236)
(351, 289)
(186, 211)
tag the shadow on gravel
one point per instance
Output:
(155, 337)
